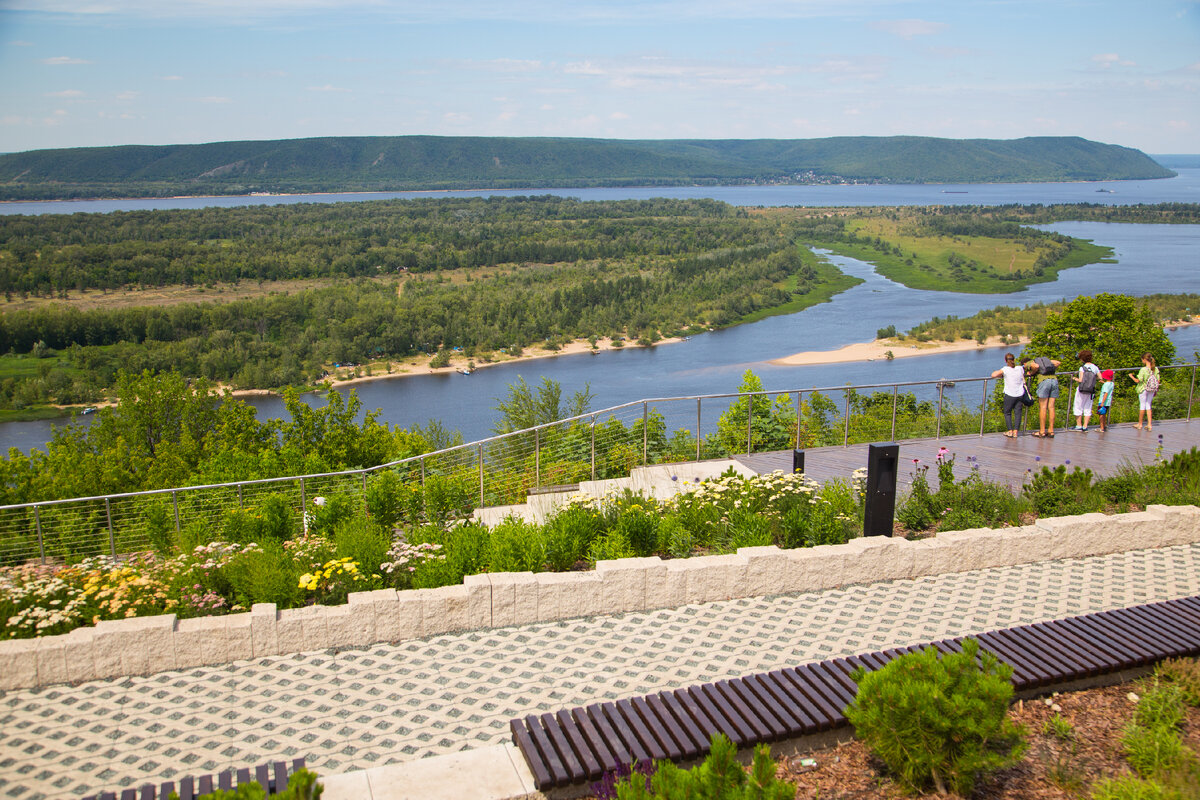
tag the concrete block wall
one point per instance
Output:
(145, 645)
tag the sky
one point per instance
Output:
(107, 72)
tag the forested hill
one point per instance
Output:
(433, 162)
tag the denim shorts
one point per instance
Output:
(1048, 387)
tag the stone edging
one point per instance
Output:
(145, 645)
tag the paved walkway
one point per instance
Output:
(1001, 459)
(360, 708)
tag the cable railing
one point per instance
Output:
(556, 456)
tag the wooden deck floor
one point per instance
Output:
(1001, 459)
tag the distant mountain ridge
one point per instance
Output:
(393, 163)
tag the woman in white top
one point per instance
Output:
(1014, 391)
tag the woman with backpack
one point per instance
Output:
(1088, 375)
(1047, 391)
(1147, 383)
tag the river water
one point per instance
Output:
(1149, 259)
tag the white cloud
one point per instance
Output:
(214, 99)
(128, 95)
(171, 77)
(673, 75)
(456, 118)
(328, 88)
(908, 28)
(618, 115)
(1109, 60)
(65, 93)
(56, 61)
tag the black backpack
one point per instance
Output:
(1045, 366)
(1087, 384)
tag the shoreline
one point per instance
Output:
(458, 362)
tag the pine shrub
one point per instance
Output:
(939, 722)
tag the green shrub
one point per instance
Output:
(364, 541)
(266, 574)
(719, 777)
(385, 499)
(938, 722)
(301, 785)
(464, 549)
(568, 533)
(610, 547)
(1151, 740)
(515, 546)
(1130, 787)
(446, 499)
(677, 540)
(638, 525)
(159, 523)
(1058, 493)
(326, 513)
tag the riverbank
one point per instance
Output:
(419, 365)
(888, 349)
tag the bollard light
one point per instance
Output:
(797, 461)
(880, 499)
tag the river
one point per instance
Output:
(1149, 259)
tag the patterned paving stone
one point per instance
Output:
(359, 708)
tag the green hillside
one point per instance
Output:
(435, 162)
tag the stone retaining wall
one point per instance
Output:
(145, 645)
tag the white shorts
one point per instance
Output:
(1083, 404)
(1144, 400)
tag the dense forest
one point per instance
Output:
(480, 275)
(433, 162)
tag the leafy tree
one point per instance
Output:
(526, 407)
(772, 422)
(1115, 327)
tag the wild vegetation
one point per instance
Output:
(432, 162)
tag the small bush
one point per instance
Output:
(385, 498)
(1130, 787)
(363, 541)
(610, 547)
(266, 574)
(515, 546)
(326, 513)
(568, 533)
(938, 722)
(719, 777)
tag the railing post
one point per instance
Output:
(983, 409)
(481, 474)
(846, 432)
(112, 537)
(1191, 393)
(175, 503)
(941, 395)
(537, 458)
(241, 502)
(645, 435)
(593, 447)
(37, 519)
(749, 424)
(697, 428)
(799, 416)
(303, 499)
(895, 400)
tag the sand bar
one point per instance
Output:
(878, 350)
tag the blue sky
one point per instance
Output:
(105, 72)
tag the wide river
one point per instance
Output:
(1149, 259)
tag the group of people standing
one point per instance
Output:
(1095, 390)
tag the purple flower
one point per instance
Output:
(1068, 461)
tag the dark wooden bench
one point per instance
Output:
(273, 777)
(580, 744)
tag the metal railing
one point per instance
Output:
(505, 469)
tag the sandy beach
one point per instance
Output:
(878, 350)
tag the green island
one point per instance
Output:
(395, 163)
